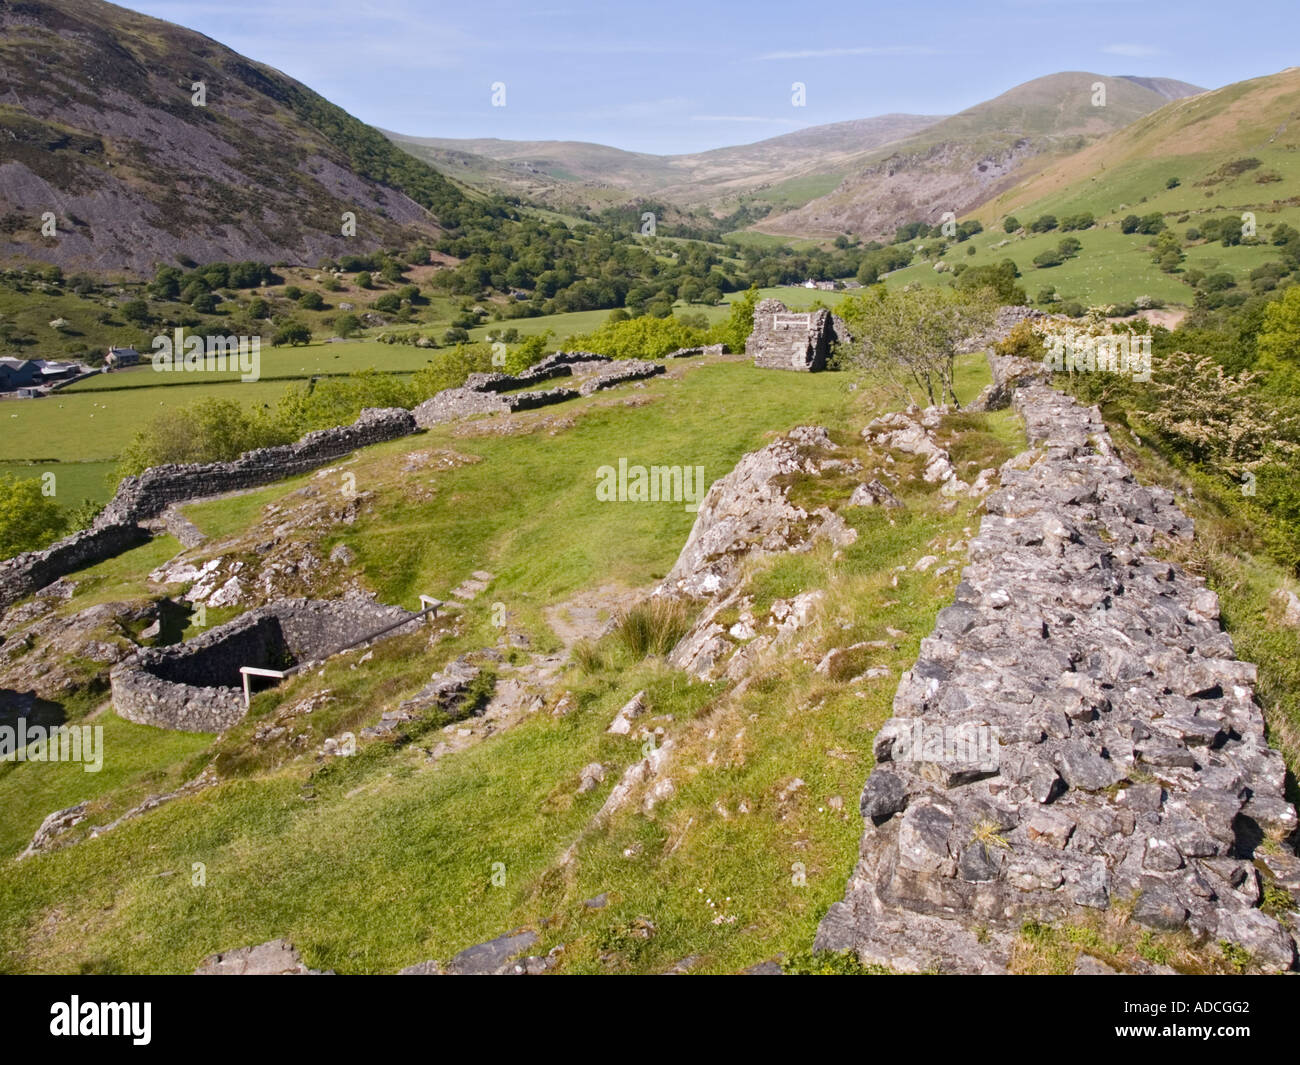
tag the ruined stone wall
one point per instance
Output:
(786, 340)
(482, 393)
(116, 528)
(149, 494)
(29, 572)
(1076, 734)
(196, 686)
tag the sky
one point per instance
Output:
(673, 77)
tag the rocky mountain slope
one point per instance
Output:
(958, 163)
(99, 126)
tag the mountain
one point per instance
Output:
(98, 125)
(1230, 148)
(569, 173)
(962, 161)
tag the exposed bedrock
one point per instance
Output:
(1076, 734)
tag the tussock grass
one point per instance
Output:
(653, 627)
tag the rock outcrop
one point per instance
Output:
(1075, 735)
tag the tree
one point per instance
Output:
(1010, 224)
(1278, 343)
(311, 301)
(206, 302)
(1172, 183)
(291, 333)
(258, 308)
(364, 280)
(29, 519)
(1043, 224)
(347, 325)
(136, 312)
(912, 337)
(1001, 278)
(735, 329)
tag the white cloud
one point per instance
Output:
(830, 53)
(1131, 51)
(744, 118)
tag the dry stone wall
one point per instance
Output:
(197, 687)
(29, 572)
(1075, 735)
(149, 494)
(137, 499)
(489, 393)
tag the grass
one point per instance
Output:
(74, 481)
(653, 627)
(275, 364)
(376, 862)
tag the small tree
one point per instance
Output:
(911, 337)
(291, 333)
(29, 520)
(136, 312)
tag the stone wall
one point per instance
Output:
(785, 340)
(196, 686)
(139, 498)
(1076, 734)
(29, 572)
(483, 393)
(149, 494)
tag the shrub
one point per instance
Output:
(29, 520)
(210, 430)
(291, 333)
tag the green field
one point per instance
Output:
(1113, 267)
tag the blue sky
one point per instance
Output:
(672, 76)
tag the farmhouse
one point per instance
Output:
(18, 373)
(119, 357)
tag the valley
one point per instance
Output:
(608, 560)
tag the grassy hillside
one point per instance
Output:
(958, 163)
(257, 165)
(1205, 158)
